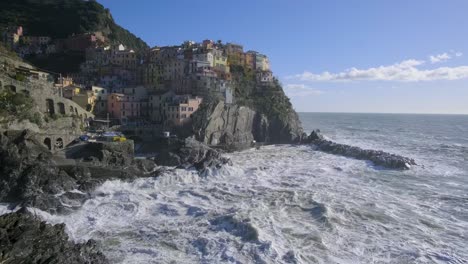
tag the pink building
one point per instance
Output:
(126, 107)
(114, 105)
(181, 109)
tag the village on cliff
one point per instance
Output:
(148, 90)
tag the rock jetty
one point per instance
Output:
(377, 157)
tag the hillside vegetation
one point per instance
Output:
(62, 18)
(270, 100)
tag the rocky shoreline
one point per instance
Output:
(377, 157)
(26, 239)
(32, 176)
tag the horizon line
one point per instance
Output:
(388, 113)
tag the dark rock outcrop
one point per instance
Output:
(190, 152)
(106, 153)
(378, 157)
(25, 239)
(234, 127)
(228, 126)
(31, 176)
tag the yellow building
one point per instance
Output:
(220, 62)
(70, 91)
(85, 99)
(249, 60)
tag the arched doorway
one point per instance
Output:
(72, 110)
(48, 143)
(59, 143)
(50, 106)
(61, 108)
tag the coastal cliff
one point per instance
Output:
(235, 126)
(261, 112)
(227, 125)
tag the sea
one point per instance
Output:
(292, 204)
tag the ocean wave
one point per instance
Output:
(279, 204)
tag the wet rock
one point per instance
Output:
(378, 157)
(314, 135)
(25, 239)
(106, 153)
(234, 127)
(31, 176)
(232, 224)
(191, 153)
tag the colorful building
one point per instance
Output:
(179, 111)
(12, 36)
(114, 105)
(70, 90)
(85, 99)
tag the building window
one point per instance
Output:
(183, 116)
(184, 109)
(190, 108)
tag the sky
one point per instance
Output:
(386, 56)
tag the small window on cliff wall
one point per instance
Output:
(50, 106)
(59, 143)
(61, 108)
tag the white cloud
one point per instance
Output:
(458, 54)
(440, 58)
(405, 71)
(300, 90)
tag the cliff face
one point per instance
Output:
(262, 112)
(235, 126)
(277, 129)
(228, 126)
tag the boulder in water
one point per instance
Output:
(190, 152)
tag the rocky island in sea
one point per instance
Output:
(84, 101)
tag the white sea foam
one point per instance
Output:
(279, 204)
(290, 204)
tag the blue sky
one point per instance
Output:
(395, 56)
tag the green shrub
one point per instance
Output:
(17, 106)
(55, 116)
(36, 119)
(20, 77)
